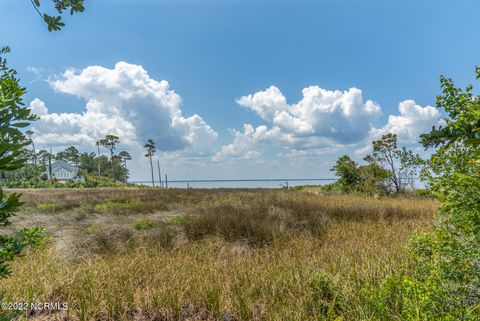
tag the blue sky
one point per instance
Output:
(214, 52)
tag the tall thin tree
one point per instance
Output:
(97, 144)
(124, 156)
(29, 134)
(150, 146)
(110, 142)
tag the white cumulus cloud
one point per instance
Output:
(243, 146)
(342, 116)
(412, 121)
(38, 107)
(322, 118)
(126, 102)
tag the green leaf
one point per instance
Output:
(21, 124)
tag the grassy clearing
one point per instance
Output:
(216, 254)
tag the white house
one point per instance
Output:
(63, 172)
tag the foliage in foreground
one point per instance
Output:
(445, 284)
(13, 116)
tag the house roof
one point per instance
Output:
(60, 164)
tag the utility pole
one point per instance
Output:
(159, 173)
(166, 181)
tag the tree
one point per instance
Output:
(368, 179)
(450, 259)
(87, 163)
(70, 155)
(124, 156)
(347, 170)
(372, 179)
(402, 164)
(54, 22)
(42, 156)
(411, 167)
(97, 144)
(464, 117)
(445, 281)
(384, 154)
(29, 134)
(13, 116)
(110, 142)
(150, 146)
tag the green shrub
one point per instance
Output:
(177, 220)
(142, 225)
(118, 206)
(445, 281)
(423, 192)
(325, 298)
(49, 208)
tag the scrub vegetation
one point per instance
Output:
(166, 254)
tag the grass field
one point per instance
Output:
(153, 254)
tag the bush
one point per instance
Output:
(118, 206)
(161, 236)
(255, 224)
(325, 297)
(142, 225)
(232, 223)
(177, 220)
(110, 241)
(445, 281)
(423, 193)
(49, 208)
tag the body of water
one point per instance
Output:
(241, 183)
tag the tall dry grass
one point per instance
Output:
(318, 254)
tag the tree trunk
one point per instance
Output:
(113, 165)
(394, 174)
(126, 176)
(159, 173)
(151, 168)
(34, 154)
(99, 172)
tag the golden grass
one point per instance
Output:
(214, 277)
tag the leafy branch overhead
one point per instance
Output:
(13, 116)
(55, 23)
(463, 122)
